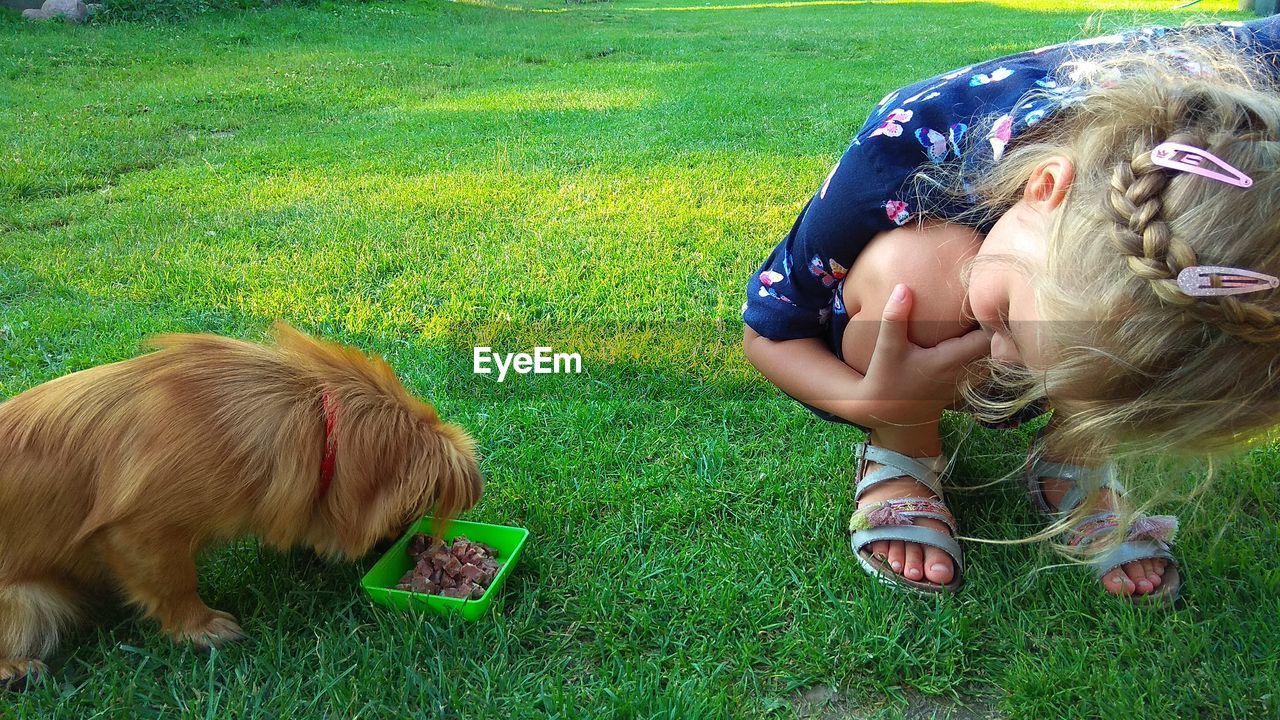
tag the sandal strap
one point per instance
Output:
(912, 534)
(1076, 474)
(1091, 527)
(1076, 494)
(901, 512)
(1157, 530)
(895, 466)
(1063, 471)
(1129, 551)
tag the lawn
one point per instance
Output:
(421, 177)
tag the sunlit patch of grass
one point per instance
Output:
(514, 101)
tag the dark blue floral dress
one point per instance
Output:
(797, 292)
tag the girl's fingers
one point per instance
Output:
(892, 341)
(960, 351)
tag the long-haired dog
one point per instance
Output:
(112, 478)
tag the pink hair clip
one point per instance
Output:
(1177, 156)
(1197, 281)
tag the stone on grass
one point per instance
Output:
(69, 10)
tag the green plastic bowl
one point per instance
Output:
(380, 582)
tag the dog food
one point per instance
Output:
(461, 570)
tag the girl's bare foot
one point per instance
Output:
(921, 563)
(910, 560)
(1141, 577)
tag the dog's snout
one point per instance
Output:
(385, 544)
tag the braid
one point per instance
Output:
(1135, 205)
(1133, 362)
(1143, 237)
(1247, 320)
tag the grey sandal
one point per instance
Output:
(1149, 536)
(895, 519)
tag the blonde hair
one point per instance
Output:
(1136, 363)
(1133, 365)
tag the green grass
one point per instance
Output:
(178, 10)
(421, 177)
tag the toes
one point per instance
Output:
(915, 562)
(1138, 577)
(880, 550)
(1139, 571)
(897, 555)
(1149, 567)
(221, 629)
(18, 675)
(937, 566)
(1117, 582)
(1158, 566)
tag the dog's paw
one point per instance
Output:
(221, 628)
(18, 674)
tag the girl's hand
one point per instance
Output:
(913, 384)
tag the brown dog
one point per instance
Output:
(111, 479)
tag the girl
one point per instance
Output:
(1093, 225)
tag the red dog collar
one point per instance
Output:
(330, 445)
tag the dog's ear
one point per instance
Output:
(457, 479)
(396, 461)
(335, 362)
(392, 470)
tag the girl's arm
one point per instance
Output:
(904, 383)
(807, 371)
